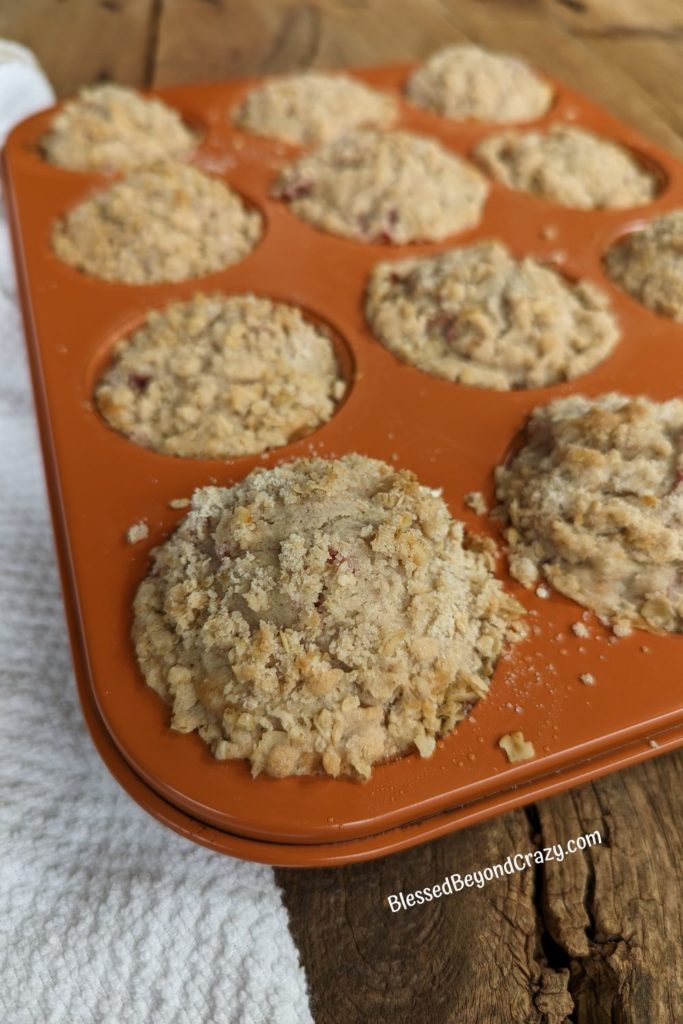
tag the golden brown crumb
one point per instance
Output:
(109, 127)
(137, 532)
(321, 616)
(477, 502)
(516, 747)
(218, 377)
(313, 107)
(478, 315)
(594, 504)
(468, 83)
(569, 166)
(394, 187)
(169, 222)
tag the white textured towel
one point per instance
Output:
(106, 917)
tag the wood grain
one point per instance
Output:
(472, 957)
(83, 41)
(597, 937)
(590, 46)
(592, 938)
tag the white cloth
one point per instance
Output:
(24, 89)
(106, 916)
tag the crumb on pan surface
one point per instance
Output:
(593, 504)
(477, 502)
(478, 315)
(516, 748)
(648, 264)
(321, 616)
(137, 532)
(313, 107)
(111, 127)
(569, 166)
(394, 187)
(218, 377)
(168, 222)
(468, 83)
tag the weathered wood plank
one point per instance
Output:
(590, 938)
(229, 38)
(82, 41)
(471, 957)
(618, 17)
(615, 911)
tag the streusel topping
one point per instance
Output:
(169, 222)
(313, 107)
(321, 616)
(393, 187)
(110, 128)
(648, 264)
(218, 377)
(570, 166)
(479, 316)
(594, 505)
(468, 83)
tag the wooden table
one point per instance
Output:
(596, 938)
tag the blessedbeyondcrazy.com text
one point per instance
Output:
(478, 879)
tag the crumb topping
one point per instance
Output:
(594, 505)
(321, 616)
(110, 127)
(569, 166)
(468, 83)
(480, 316)
(393, 187)
(169, 222)
(477, 502)
(313, 107)
(648, 264)
(516, 748)
(137, 532)
(218, 377)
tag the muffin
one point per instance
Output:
(313, 107)
(393, 187)
(479, 316)
(112, 128)
(569, 166)
(648, 264)
(467, 83)
(594, 505)
(321, 616)
(218, 377)
(169, 222)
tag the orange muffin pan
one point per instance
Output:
(449, 434)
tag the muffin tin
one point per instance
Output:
(449, 434)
